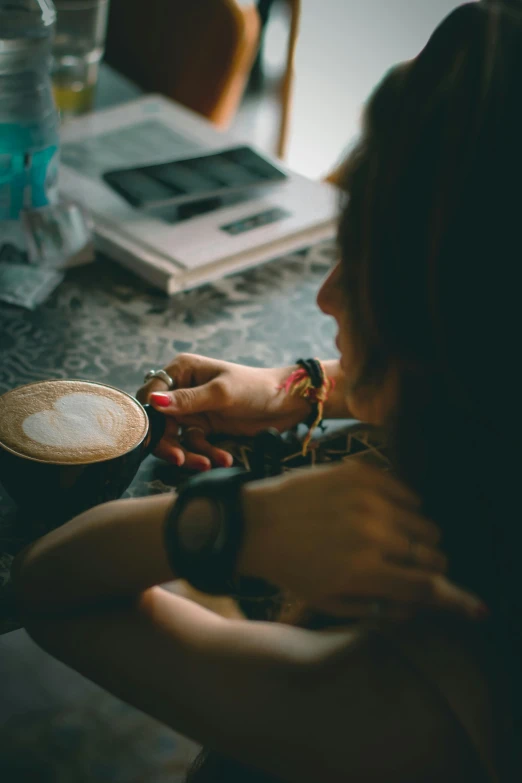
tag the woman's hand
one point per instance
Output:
(217, 397)
(347, 540)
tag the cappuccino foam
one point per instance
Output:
(70, 422)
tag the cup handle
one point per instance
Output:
(157, 426)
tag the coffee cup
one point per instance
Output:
(67, 445)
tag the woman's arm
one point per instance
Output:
(213, 397)
(326, 535)
(112, 552)
(316, 701)
(237, 397)
(302, 706)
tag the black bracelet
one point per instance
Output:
(314, 369)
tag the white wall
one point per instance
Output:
(345, 48)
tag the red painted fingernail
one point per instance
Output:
(163, 400)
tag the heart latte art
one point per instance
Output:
(75, 419)
(70, 421)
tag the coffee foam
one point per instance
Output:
(70, 422)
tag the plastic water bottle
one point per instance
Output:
(29, 121)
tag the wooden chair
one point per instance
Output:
(286, 90)
(197, 53)
(287, 86)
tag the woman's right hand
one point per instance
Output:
(217, 397)
(347, 539)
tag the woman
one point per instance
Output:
(424, 298)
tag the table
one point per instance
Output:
(104, 324)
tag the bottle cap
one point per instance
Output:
(26, 19)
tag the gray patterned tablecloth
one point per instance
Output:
(104, 324)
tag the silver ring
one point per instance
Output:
(162, 375)
(186, 430)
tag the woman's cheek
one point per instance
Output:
(360, 409)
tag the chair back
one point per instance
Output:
(197, 53)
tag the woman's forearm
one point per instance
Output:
(112, 551)
(116, 551)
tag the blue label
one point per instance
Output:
(27, 180)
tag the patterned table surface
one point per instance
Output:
(104, 324)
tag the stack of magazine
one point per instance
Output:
(179, 202)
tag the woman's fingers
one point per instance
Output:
(383, 484)
(187, 445)
(426, 557)
(187, 401)
(169, 447)
(171, 450)
(154, 385)
(196, 461)
(380, 513)
(195, 453)
(368, 610)
(405, 551)
(417, 587)
(446, 595)
(417, 528)
(195, 439)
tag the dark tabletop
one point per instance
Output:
(104, 324)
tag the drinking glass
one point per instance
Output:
(78, 49)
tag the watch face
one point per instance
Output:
(199, 525)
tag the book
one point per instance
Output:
(172, 250)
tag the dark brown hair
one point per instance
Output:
(430, 242)
(430, 245)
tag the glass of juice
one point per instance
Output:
(78, 49)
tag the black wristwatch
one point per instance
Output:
(206, 554)
(204, 548)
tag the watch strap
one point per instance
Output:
(211, 569)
